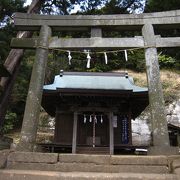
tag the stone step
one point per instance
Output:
(114, 159)
(49, 175)
(89, 167)
(87, 163)
(52, 158)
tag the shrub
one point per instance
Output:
(10, 120)
(166, 61)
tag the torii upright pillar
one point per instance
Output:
(33, 102)
(160, 135)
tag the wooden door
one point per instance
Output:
(85, 131)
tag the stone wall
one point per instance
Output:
(141, 135)
(173, 113)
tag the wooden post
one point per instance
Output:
(178, 139)
(33, 102)
(129, 125)
(111, 134)
(94, 131)
(74, 139)
(158, 118)
(56, 125)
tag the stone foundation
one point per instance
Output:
(35, 166)
(88, 163)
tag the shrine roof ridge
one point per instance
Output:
(96, 73)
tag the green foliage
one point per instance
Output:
(166, 61)
(20, 89)
(6, 33)
(64, 7)
(43, 119)
(116, 60)
(136, 60)
(123, 6)
(171, 56)
(8, 7)
(10, 120)
(92, 7)
(159, 5)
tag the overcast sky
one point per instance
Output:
(76, 8)
(28, 2)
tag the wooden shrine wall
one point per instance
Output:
(64, 131)
(64, 128)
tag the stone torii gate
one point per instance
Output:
(149, 41)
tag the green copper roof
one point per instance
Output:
(94, 81)
(85, 89)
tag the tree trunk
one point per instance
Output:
(12, 64)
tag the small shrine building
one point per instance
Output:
(93, 111)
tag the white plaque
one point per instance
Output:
(115, 121)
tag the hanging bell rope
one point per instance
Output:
(95, 118)
(69, 57)
(105, 57)
(88, 60)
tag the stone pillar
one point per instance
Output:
(96, 32)
(33, 102)
(158, 119)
